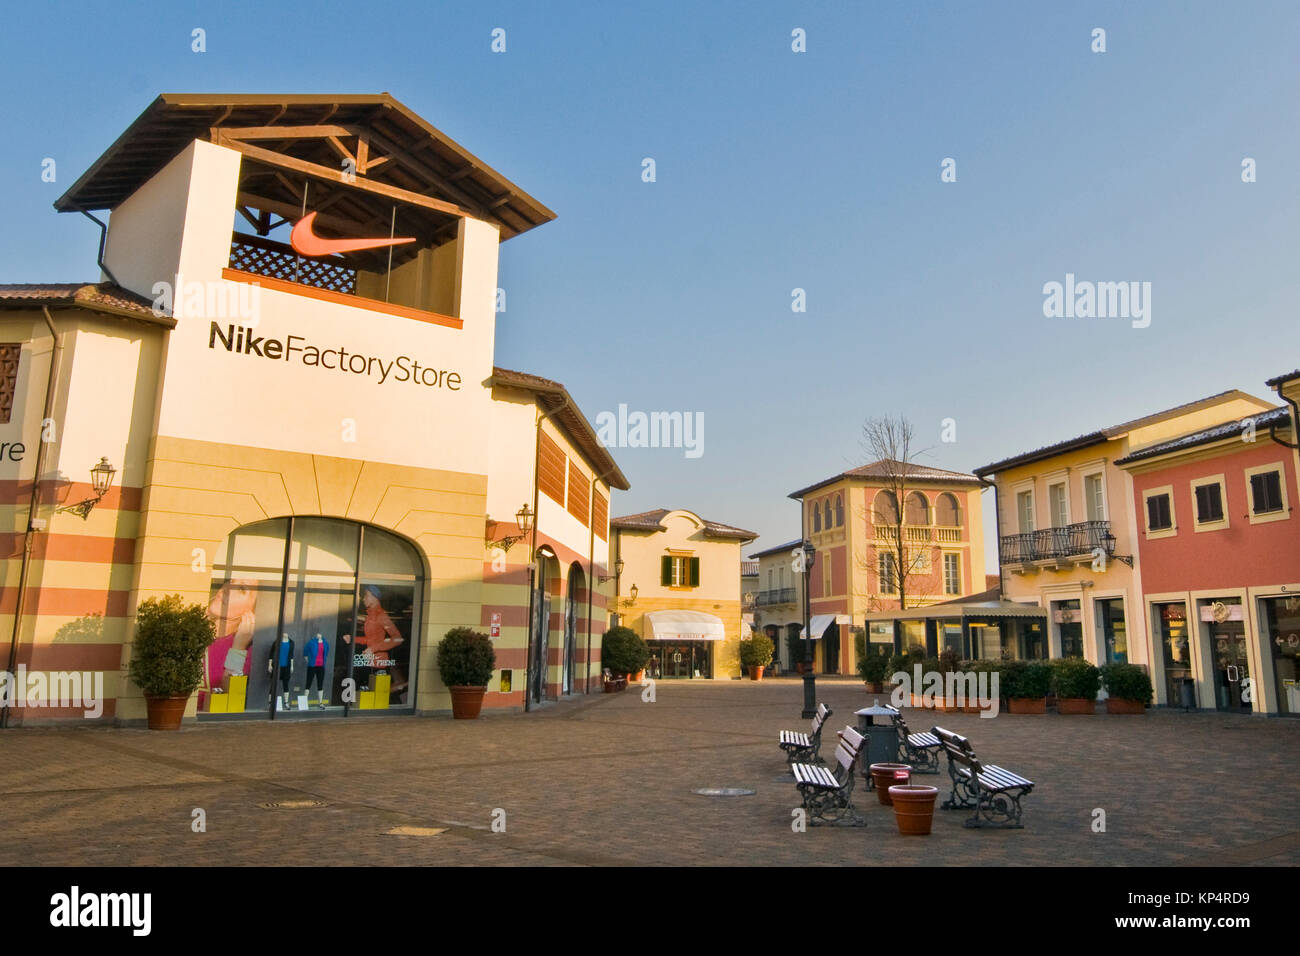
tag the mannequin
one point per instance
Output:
(316, 653)
(281, 654)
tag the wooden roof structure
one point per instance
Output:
(353, 159)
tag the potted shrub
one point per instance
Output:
(1128, 686)
(874, 668)
(1025, 685)
(795, 649)
(623, 651)
(171, 638)
(755, 654)
(466, 659)
(1076, 682)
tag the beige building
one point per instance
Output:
(679, 588)
(306, 429)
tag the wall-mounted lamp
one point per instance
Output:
(618, 572)
(523, 518)
(101, 479)
(631, 600)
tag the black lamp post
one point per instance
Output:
(809, 679)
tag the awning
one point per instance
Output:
(685, 626)
(820, 622)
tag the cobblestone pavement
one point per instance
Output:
(607, 779)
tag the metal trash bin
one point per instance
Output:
(1187, 693)
(882, 738)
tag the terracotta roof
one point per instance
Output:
(99, 297)
(1280, 416)
(420, 158)
(787, 547)
(1284, 377)
(886, 468)
(552, 397)
(1104, 434)
(651, 521)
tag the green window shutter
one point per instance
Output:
(695, 572)
(666, 570)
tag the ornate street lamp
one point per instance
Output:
(101, 479)
(809, 679)
(524, 519)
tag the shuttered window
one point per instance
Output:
(10, 352)
(579, 494)
(679, 571)
(600, 515)
(550, 469)
(1266, 492)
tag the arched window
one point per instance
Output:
(347, 597)
(816, 517)
(918, 509)
(885, 509)
(839, 511)
(946, 512)
(827, 506)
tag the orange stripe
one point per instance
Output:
(19, 490)
(92, 549)
(72, 602)
(71, 657)
(342, 298)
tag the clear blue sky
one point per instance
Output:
(779, 170)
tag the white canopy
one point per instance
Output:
(820, 622)
(685, 626)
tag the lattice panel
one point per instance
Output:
(275, 264)
(10, 352)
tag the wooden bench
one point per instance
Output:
(828, 796)
(921, 750)
(613, 683)
(992, 791)
(806, 747)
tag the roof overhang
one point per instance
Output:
(684, 625)
(974, 609)
(820, 622)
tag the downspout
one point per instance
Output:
(103, 239)
(591, 561)
(1295, 418)
(532, 550)
(33, 505)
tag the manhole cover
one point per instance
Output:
(723, 792)
(292, 804)
(416, 831)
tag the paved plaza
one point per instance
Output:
(608, 780)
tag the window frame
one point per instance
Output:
(1020, 516)
(1064, 485)
(1218, 524)
(1283, 513)
(1154, 533)
(1100, 475)
(956, 560)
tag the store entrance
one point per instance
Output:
(1231, 665)
(680, 659)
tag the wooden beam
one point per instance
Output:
(404, 156)
(363, 154)
(337, 176)
(342, 150)
(221, 134)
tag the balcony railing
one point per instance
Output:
(775, 596)
(1075, 540)
(918, 533)
(948, 535)
(275, 260)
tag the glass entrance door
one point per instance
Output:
(1177, 652)
(682, 659)
(1231, 665)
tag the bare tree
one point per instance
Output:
(890, 442)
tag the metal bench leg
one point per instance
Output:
(964, 794)
(1000, 810)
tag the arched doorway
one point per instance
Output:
(548, 573)
(572, 600)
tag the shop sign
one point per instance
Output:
(1219, 612)
(496, 624)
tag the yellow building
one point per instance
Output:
(305, 425)
(678, 586)
(1069, 537)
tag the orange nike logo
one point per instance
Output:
(305, 241)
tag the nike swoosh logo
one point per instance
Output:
(305, 241)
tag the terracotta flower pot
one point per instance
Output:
(799, 666)
(1075, 705)
(885, 775)
(1027, 705)
(165, 713)
(636, 678)
(1115, 705)
(755, 672)
(466, 702)
(913, 808)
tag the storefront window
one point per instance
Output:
(1225, 621)
(1177, 651)
(1281, 619)
(304, 604)
(1065, 614)
(1032, 645)
(1114, 635)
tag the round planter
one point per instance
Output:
(1075, 705)
(755, 672)
(1115, 705)
(165, 713)
(873, 687)
(799, 665)
(636, 678)
(885, 775)
(466, 702)
(1027, 705)
(913, 808)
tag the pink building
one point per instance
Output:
(1219, 553)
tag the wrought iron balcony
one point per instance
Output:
(775, 596)
(1060, 544)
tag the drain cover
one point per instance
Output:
(723, 792)
(292, 804)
